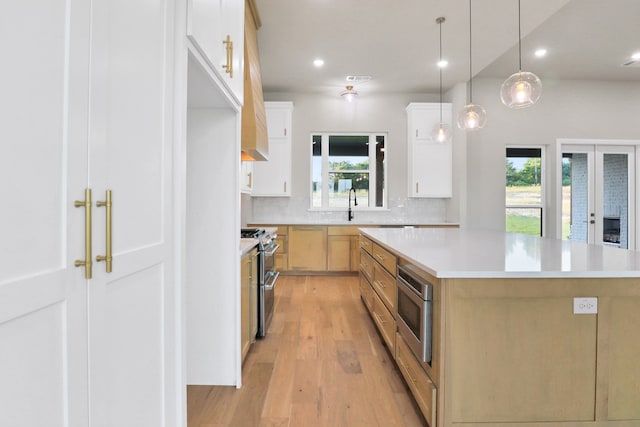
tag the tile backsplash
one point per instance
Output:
(292, 210)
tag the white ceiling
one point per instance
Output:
(396, 42)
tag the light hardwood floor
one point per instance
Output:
(322, 364)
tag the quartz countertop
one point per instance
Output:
(246, 245)
(356, 223)
(474, 253)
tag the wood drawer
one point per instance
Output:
(343, 230)
(366, 293)
(366, 264)
(385, 322)
(385, 285)
(384, 257)
(422, 388)
(366, 244)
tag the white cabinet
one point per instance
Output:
(216, 29)
(105, 124)
(273, 177)
(246, 176)
(430, 162)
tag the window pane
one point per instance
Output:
(341, 182)
(316, 171)
(349, 152)
(524, 220)
(523, 177)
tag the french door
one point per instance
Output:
(598, 194)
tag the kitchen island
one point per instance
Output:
(526, 331)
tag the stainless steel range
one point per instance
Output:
(267, 276)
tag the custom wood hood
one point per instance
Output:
(255, 143)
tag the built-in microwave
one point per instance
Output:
(415, 312)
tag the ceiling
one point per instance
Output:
(396, 42)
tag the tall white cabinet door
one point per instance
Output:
(131, 310)
(430, 162)
(43, 334)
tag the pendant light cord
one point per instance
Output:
(519, 40)
(470, 74)
(440, 65)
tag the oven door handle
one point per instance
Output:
(272, 250)
(271, 281)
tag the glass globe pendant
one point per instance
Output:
(441, 132)
(472, 117)
(523, 88)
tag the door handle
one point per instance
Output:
(87, 263)
(229, 66)
(107, 203)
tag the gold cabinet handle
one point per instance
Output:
(87, 263)
(250, 179)
(416, 133)
(417, 188)
(229, 66)
(285, 131)
(107, 203)
(285, 186)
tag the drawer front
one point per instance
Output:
(366, 293)
(366, 265)
(385, 322)
(422, 388)
(384, 257)
(366, 244)
(385, 285)
(342, 230)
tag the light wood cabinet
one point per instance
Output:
(385, 321)
(421, 386)
(339, 253)
(281, 260)
(307, 248)
(430, 162)
(385, 286)
(249, 300)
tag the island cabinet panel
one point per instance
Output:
(526, 358)
(385, 322)
(281, 259)
(623, 392)
(421, 386)
(366, 293)
(307, 248)
(385, 258)
(385, 286)
(339, 253)
(366, 245)
(366, 265)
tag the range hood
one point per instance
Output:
(255, 142)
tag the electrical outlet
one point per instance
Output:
(585, 305)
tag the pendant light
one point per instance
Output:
(441, 131)
(472, 116)
(523, 88)
(349, 94)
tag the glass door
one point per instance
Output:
(598, 194)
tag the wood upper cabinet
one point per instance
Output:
(255, 142)
(273, 178)
(216, 29)
(430, 162)
(307, 248)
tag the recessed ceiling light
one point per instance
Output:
(635, 56)
(318, 62)
(443, 63)
(540, 53)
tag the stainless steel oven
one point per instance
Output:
(415, 311)
(269, 277)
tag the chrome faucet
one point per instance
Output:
(355, 203)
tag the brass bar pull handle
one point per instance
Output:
(229, 66)
(285, 131)
(107, 258)
(250, 179)
(417, 188)
(285, 186)
(87, 263)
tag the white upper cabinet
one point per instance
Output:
(216, 29)
(273, 177)
(430, 162)
(246, 177)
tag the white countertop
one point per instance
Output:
(471, 253)
(246, 245)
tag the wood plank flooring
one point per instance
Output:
(322, 363)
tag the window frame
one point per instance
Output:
(543, 186)
(372, 171)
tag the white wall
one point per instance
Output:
(567, 109)
(369, 113)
